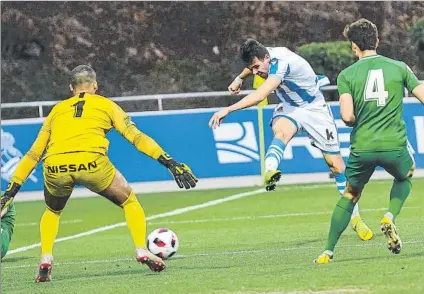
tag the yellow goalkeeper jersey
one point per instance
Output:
(81, 123)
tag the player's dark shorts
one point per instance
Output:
(361, 165)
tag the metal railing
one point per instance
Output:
(158, 97)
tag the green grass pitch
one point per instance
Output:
(263, 243)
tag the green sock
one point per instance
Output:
(398, 194)
(339, 221)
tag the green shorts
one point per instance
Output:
(361, 165)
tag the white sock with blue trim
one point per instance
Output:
(340, 182)
(341, 185)
(274, 155)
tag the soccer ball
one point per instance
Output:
(163, 243)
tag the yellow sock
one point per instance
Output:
(49, 226)
(136, 220)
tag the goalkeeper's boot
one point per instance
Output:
(325, 257)
(44, 269)
(394, 244)
(154, 263)
(359, 226)
(271, 179)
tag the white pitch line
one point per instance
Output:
(240, 252)
(265, 216)
(37, 223)
(170, 213)
(156, 216)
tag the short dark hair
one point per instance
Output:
(363, 33)
(82, 74)
(251, 49)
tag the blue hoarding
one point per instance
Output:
(231, 150)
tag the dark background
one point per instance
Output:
(167, 47)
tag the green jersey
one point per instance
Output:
(377, 84)
(10, 215)
(7, 225)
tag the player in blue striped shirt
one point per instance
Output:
(302, 108)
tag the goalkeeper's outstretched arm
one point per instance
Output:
(145, 144)
(26, 165)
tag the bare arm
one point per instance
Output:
(257, 96)
(270, 84)
(245, 73)
(346, 109)
(419, 92)
(235, 85)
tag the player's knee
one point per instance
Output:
(336, 165)
(352, 193)
(118, 190)
(352, 196)
(131, 199)
(55, 203)
(284, 137)
(284, 129)
(56, 206)
(57, 212)
(337, 169)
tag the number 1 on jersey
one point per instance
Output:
(79, 108)
(374, 89)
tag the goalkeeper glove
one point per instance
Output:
(181, 172)
(9, 194)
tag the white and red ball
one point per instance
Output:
(163, 243)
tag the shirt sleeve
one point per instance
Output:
(123, 124)
(342, 84)
(322, 81)
(411, 81)
(279, 69)
(120, 119)
(33, 156)
(43, 138)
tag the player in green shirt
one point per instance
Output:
(7, 225)
(371, 93)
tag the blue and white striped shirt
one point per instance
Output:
(300, 85)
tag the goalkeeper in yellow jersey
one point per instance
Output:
(73, 142)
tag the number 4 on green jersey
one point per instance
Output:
(377, 84)
(374, 88)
